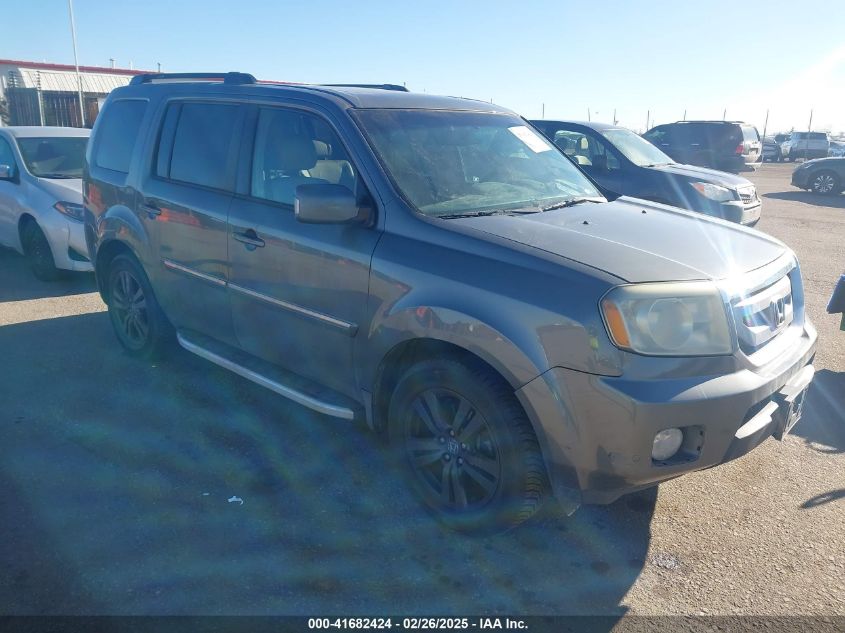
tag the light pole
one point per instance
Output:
(76, 62)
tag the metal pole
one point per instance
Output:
(615, 121)
(647, 116)
(588, 114)
(809, 129)
(724, 113)
(766, 124)
(542, 110)
(685, 116)
(76, 62)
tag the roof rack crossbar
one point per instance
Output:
(395, 87)
(226, 78)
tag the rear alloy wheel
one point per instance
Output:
(470, 452)
(38, 253)
(138, 321)
(825, 183)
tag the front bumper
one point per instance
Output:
(67, 242)
(801, 178)
(597, 431)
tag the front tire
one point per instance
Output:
(467, 446)
(137, 319)
(38, 253)
(825, 183)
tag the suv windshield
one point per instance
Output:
(449, 163)
(635, 148)
(54, 157)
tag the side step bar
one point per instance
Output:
(263, 374)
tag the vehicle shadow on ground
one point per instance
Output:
(832, 202)
(822, 423)
(179, 488)
(17, 282)
(825, 497)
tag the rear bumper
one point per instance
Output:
(597, 431)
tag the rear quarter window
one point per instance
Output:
(117, 133)
(749, 133)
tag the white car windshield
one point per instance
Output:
(54, 157)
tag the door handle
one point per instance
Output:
(150, 209)
(249, 238)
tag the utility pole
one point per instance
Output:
(724, 113)
(588, 115)
(766, 124)
(807, 142)
(615, 120)
(685, 116)
(76, 62)
(647, 117)
(542, 110)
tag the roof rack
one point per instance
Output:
(226, 78)
(374, 86)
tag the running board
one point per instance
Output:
(284, 383)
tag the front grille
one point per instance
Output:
(748, 195)
(763, 315)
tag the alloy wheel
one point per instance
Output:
(451, 450)
(130, 308)
(823, 183)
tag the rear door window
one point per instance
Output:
(117, 132)
(750, 134)
(201, 150)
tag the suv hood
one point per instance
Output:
(638, 241)
(693, 173)
(62, 189)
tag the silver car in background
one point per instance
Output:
(41, 197)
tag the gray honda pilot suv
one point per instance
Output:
(436, 268)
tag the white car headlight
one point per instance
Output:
(668, 319)
(713, 192)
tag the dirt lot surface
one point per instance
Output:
(178, 488)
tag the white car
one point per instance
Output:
(41, 209)
(806, 145)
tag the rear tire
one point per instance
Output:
(138, 321)
(38, 253)
(825, 183)
(468, 448)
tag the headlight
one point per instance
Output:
(71, 210)
(713, 192)
(668, 319)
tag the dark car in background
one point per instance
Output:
(726, 145)
(625, 163)
(821, 175)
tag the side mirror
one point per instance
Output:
(7, 172)
(327, 204)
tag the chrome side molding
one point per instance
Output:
(304, 399)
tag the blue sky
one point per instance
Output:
(702, 56)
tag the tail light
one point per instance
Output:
(740, 148)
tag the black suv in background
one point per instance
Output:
(727, 145)
(625, 163)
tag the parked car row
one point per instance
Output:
(462, 283)
(624, 162)
(797, 145)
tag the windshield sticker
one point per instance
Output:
(534, 141)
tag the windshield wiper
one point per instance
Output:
(58, 176)
(468, 214)
(570, 203)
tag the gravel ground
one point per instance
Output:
(122, 484)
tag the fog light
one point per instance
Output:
(666, 444)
